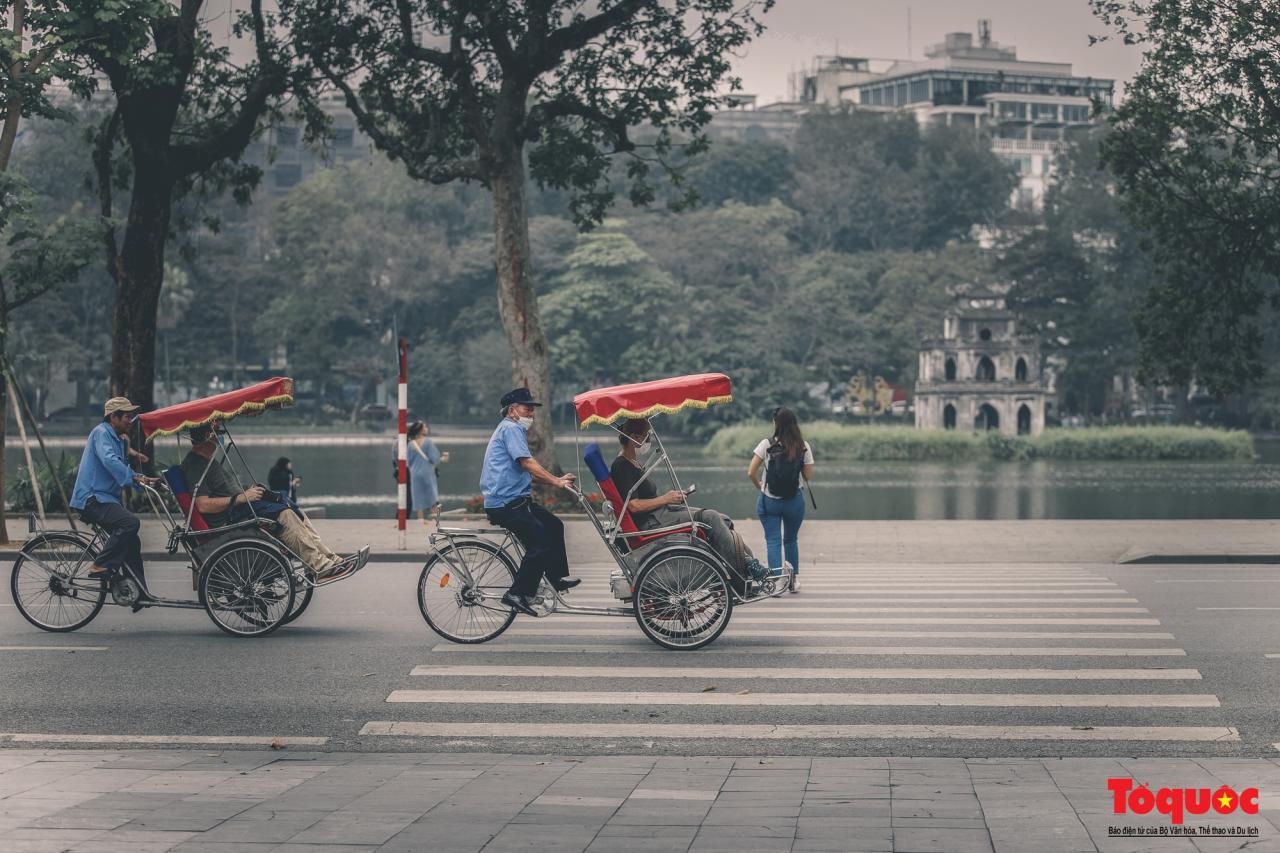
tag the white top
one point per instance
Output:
(762, 452)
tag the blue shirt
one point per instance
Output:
(103, 469)
(502, 479)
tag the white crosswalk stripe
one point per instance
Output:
(906, 615)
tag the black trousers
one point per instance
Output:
(123, 545)
(542, 535)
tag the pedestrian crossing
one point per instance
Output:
(863, 654)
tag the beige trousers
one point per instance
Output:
(301, 538)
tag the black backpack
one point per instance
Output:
(782, 475)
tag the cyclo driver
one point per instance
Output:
(506, 482)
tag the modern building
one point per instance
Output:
(287, 159)
(743, 121)
(1029, 109)
(981, 374)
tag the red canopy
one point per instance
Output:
(271, 394)
(642, 399)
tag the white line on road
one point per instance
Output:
(529, 628)
(239, 740)
(704, 672)
(53, 648)
(930, 651)
(1273, 654)
(839, 610)
(752, 619)
(797, 732)
(976, 700)
(815, 606)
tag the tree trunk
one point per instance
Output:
(518, 303)
(4, 420)
(139, 275)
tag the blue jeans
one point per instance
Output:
(781, 519)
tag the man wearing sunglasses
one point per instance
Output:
(97, 496)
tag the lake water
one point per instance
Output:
(355, 481)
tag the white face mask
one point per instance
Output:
(525, 423)
(643, 447)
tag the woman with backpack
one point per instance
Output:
(788, 464)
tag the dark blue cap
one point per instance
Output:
(518, 395)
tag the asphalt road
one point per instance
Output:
(1002, 660)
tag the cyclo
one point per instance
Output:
(247, 580)
(680, 591)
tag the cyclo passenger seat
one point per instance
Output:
(595, 462)
(178, 485)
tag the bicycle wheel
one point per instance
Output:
(465, 612)
(682, 600)
(51, 585)
(246, 589)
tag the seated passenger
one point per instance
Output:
(221, 502)
(650, 511)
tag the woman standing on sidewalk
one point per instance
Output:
(424, 456)
(788, 464)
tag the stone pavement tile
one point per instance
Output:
(224, 847)
(126, 835)
(179, 782)
(190, 816)
(348, 827)
(561, 816)
(928, 792)
(564, 838)
(35, 846)
(942, 841)
(276, 827)
(1013, 836)
(717, 762)
(131, 801)
(783, 762)
(426, 835)
(97, 780)
(62, 834)
(938, 823)
(1224, 845)
(327, 848)
(79, 818)
(935, 809)
(747, 799)
(103, 845)
(837, 825)
(621, 844)
(1142, 845)
(731, 815)
(559, 801)
(846, 809)
(825, 765)
(852, 845)
(311, 796)
(758, 829)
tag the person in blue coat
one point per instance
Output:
(424, 456)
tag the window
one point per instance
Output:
(986, 370)
(947, 92)
(1013, 110)
(288, 174)
(343, 137)
(1026, 198)
(919, 90)
(949, 417)
(962, 119)
(984, 335)
(900, 94)
(1044, 112)
(1020, 370)
(286, 137)
(1046, 134)
(1075, 114)
(951, 370)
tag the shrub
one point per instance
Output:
(846, 441)
(21, 496)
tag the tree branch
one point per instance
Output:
(582, 31)
(102, 148)
(271, 81)
(543, 114)
(409, 44)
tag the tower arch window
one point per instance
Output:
(1024, 419)
(988, 418)
(951, 369)
(1020, 370)
(949, 417)
(984, 334)
(986, 370)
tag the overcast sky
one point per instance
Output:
(1043, 30)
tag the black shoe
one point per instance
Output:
(566, 584)
(518, 603)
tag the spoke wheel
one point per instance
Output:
(247, 589)
(682, 601)
(467, 612)
(51, 584)
(303, 593)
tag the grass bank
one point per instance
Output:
(844, 441)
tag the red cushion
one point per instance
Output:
(610, 490)
(197, 520)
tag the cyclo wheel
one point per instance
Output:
(302, 594)
(682, 600)
(63, 596)
(247, 589)
(464, 613)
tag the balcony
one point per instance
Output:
(1027, 146)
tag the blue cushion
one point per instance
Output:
(177, 482)
(595, 461)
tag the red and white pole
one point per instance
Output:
(402, 444)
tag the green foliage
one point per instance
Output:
(1193, 149)
(868, 181)
(844, 441)
(23, 499)
(1078, 280)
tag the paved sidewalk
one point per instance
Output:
(843, 542)
(139, 801)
